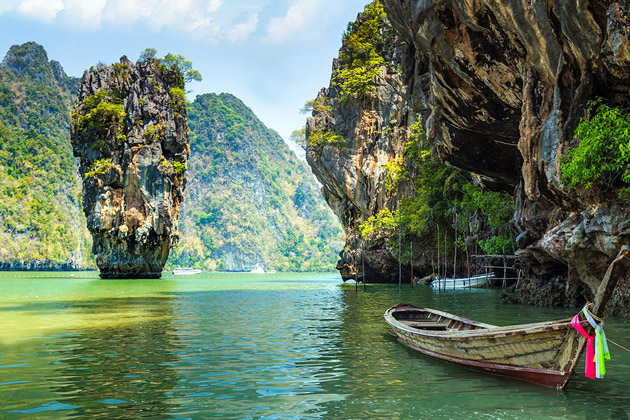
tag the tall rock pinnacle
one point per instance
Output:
(130, 132)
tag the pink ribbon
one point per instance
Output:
(589, 369)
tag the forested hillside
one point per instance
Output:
(250, 203)
(41, 222)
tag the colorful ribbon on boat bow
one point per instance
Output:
(596, 346)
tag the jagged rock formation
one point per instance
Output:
(352, 172)
(501, 87)
(129, 131)
(507, 83)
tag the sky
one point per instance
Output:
(272, 54)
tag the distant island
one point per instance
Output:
(234, 160)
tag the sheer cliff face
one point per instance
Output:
(372, 130)
(508, 82)
(129, 131)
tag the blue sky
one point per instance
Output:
(273, 54)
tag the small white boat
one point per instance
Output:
(186, 271)
(459, 283)
(258, 270)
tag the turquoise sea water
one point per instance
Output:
(260, 346)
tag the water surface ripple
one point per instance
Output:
(254, 346)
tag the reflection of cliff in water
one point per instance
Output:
(128, 367)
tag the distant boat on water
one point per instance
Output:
(186, 271)
(459, 283)
(258, 270)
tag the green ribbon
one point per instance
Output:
(601, 345)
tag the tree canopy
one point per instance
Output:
(175, 62)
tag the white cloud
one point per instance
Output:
(194, 17)
(86, 13)
(131, 11)
(8, 5)
(298, 15)
(204, 29)
(45, 10)
(243, 30)
(204, 20)
(214, 5)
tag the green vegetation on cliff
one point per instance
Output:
(360, 59)
(104, 113)
(249, 201)
(602, 159)
(41, 223)
(445, 200)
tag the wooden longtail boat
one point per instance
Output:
(544, 353)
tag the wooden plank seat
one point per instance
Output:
(427, 324)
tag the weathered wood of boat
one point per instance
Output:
(462, 282)
(544, 353)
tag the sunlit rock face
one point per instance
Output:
(374, 129)
(507, 83)
(130, 133)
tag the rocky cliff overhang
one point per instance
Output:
(130, 132)
(507, 83)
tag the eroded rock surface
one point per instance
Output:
(508, 82)
(353, 170)
(501, 86)
(130, 133)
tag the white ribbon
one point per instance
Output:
(599, 335)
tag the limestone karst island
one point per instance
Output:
(264, 209)
(129, 131)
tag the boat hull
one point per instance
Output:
(186, 271)
(543, 353)
(545, 377)
(460, 283)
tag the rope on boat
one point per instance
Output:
(618, 345)
(588, 306)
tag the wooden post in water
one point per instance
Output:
(468, 265)
(411, 261)
(356, 273)
(438, 257)
(504, 273)
(455, 254)
(356, 278)
(446, 261)
(477, 259)
(445, 257)
(485, 265)
(399, 248)
(363, 264)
